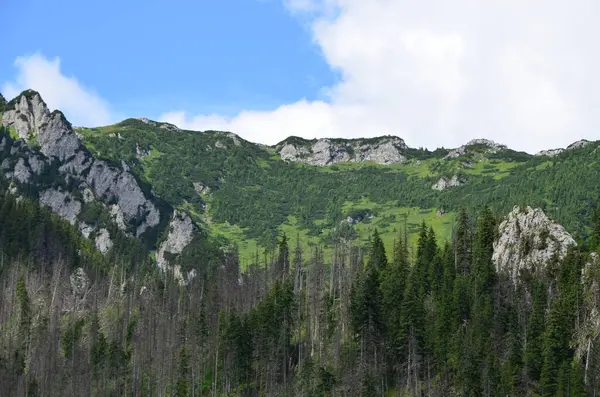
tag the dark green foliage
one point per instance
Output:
(254, 190)
(596, 228)
(437, 321)
(534, 350)
(27, 94)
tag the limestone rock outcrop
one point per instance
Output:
(550, 152)
(323, 152)
(555, 152)
(57, 142)
(528, 240)
(180, 235)
(445, 183)
(491, 147)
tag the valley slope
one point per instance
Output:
(245, 194)
(250, 193)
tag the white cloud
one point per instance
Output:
(81, 105)
(438, 73)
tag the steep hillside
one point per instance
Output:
(474, 301)
(43, 158)
(135, 173)
(250, 193)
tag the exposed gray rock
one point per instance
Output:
(116, 185)
(578, 144)
(28, 116)
(117, 216)
(550, 152)
(387, 152)
(80, 282)
(555, 152)
(32, 120)
(467, 164)
(57, 138)
(103, 242)
(528, 240)
(201, 189)
(461, 151)
(21, 172)
(445, 183)
(180, 235)
(88, 195)
(5, 165)
(37, 163)
(383, 150)
(220, 145)
(86, 229)
(290, 152)
(325, 153)
(358, 218)
(169, 126)
(142, 152)
(63, 203)
(234, 138)
(492, 147)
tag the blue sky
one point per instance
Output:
(436, 73)
(202, 56)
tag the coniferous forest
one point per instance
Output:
(433, 319)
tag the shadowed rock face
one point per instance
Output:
(384, 150)
(57, 141)
(528, 240)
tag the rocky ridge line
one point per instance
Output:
(47, 140)
(385, 150)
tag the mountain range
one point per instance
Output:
(142, 259)
(165, 186)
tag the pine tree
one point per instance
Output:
(377, 256)
(393, 284)
(596, 229)
(462, 243)
(283, 259)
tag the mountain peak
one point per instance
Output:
(555, 152)
(484, 142)
(386, 149)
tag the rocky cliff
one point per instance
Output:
(180, 234)
(322, 152)
(445, 182)
(46, 153)
(555, 152)
(487, 146)
(527, 241)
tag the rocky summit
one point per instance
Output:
(322, 152)
(45, 142)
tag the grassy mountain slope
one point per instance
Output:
(244, 192)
